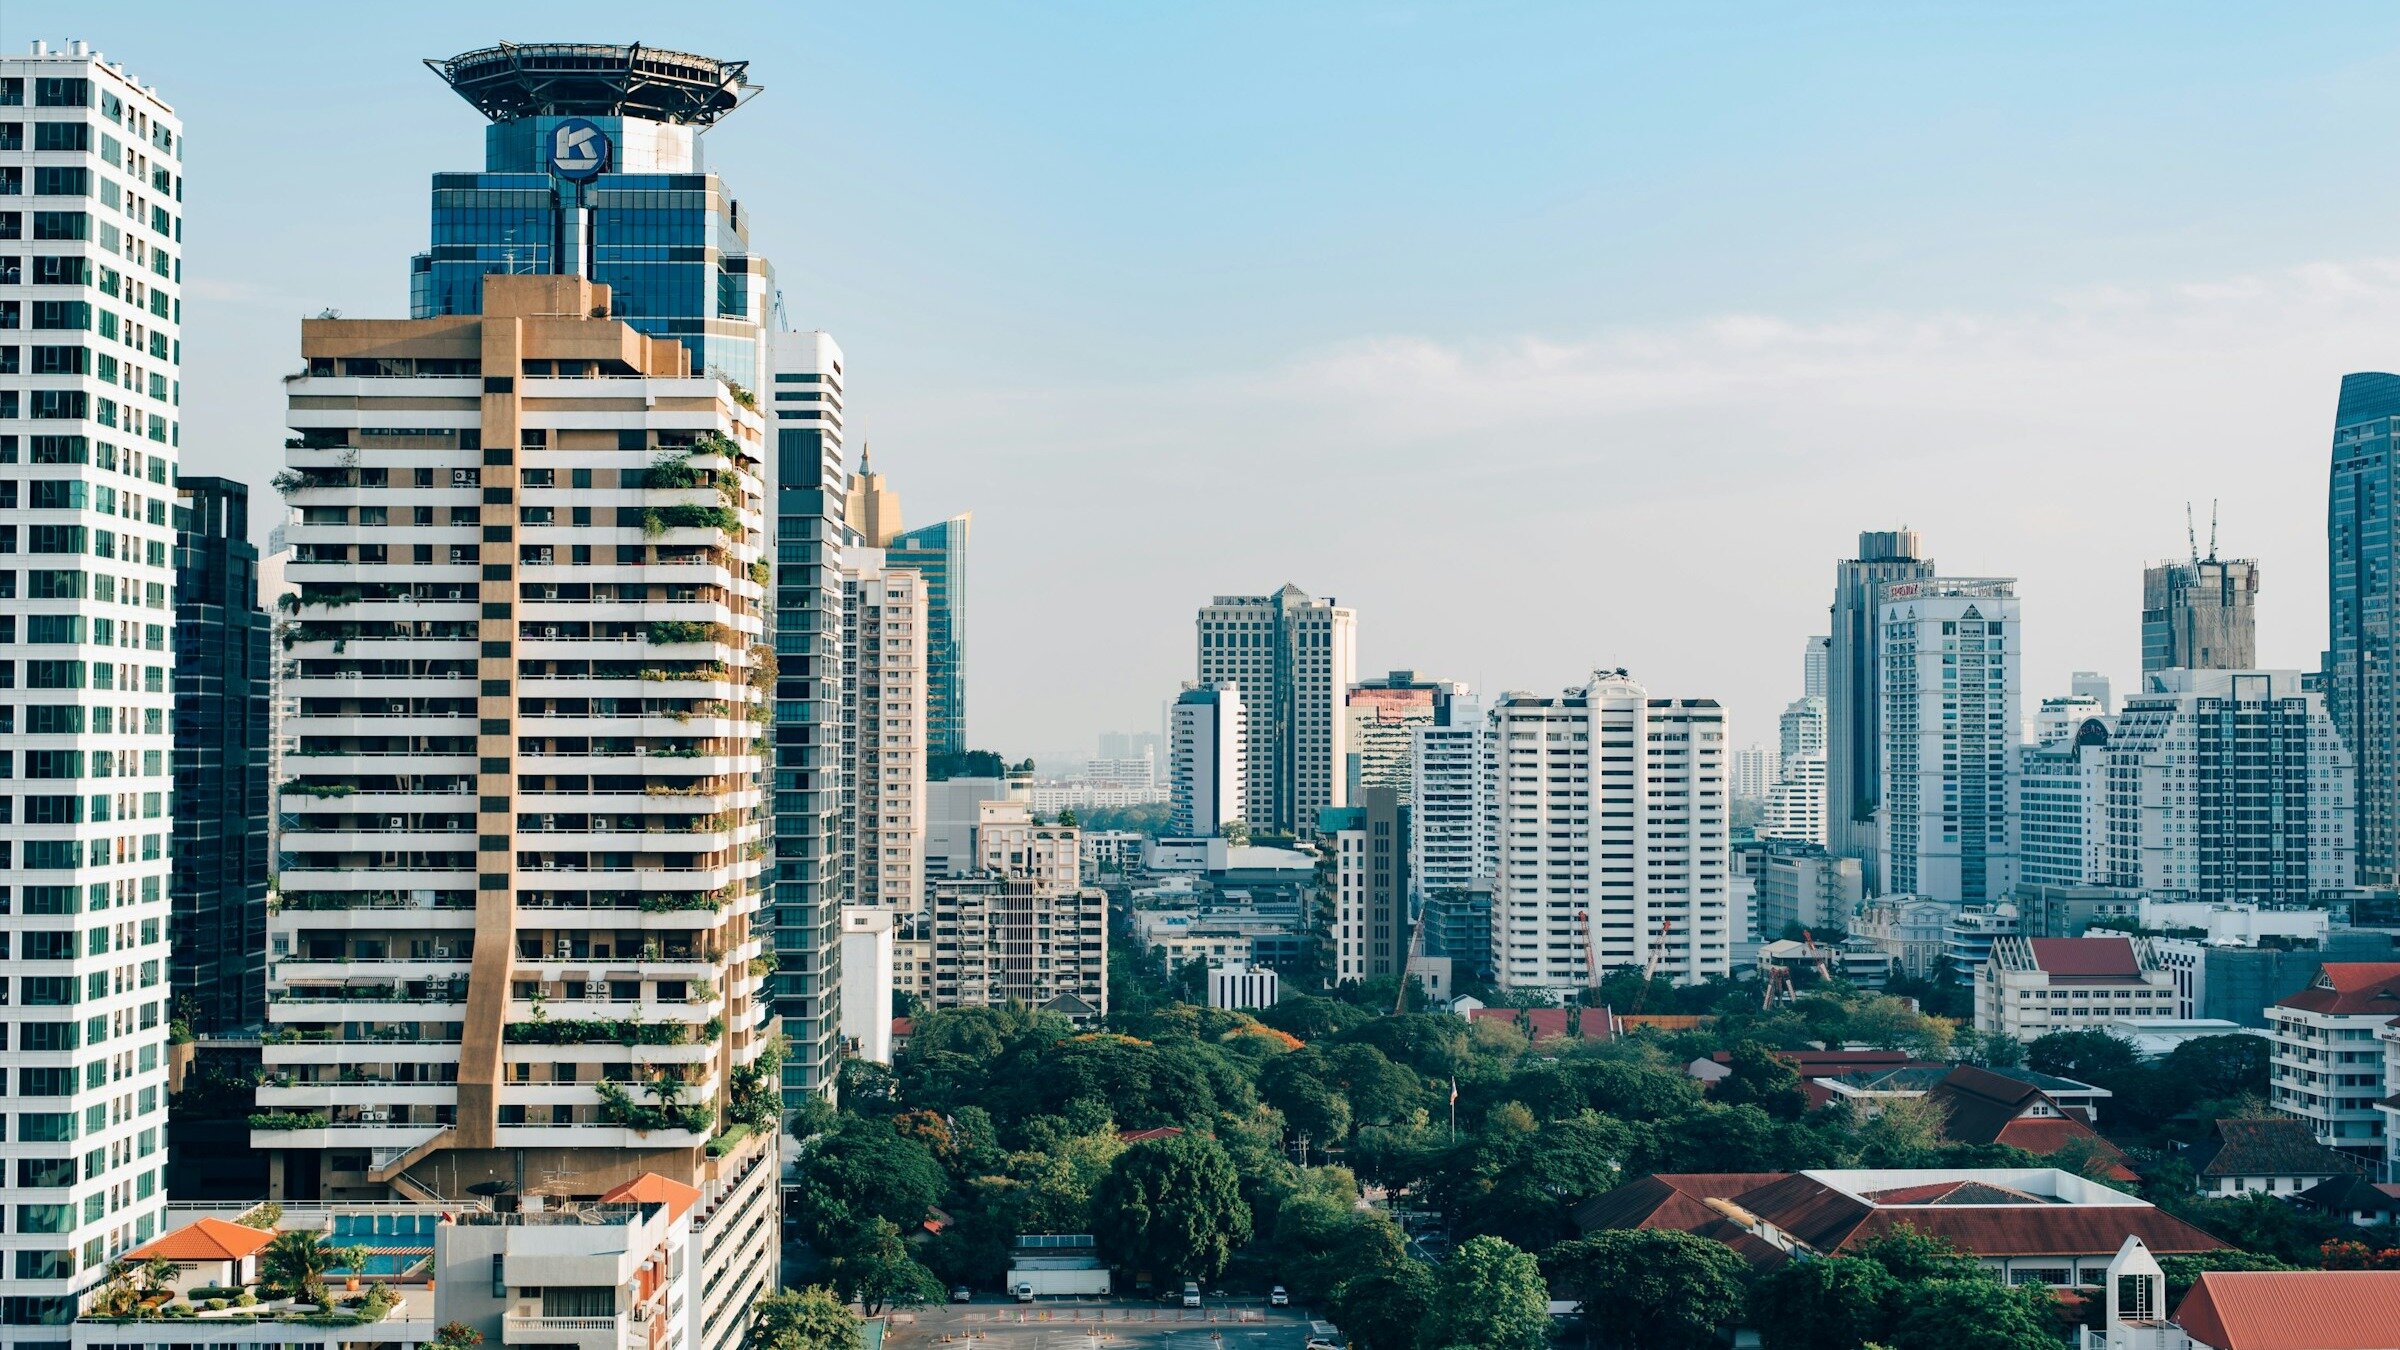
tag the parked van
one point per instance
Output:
(1191, 1294)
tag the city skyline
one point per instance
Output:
(2126, 321)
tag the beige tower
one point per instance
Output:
(874, 508)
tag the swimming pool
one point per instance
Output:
(395, 1243)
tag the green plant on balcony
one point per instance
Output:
(764, 964)
(669, 632)
(759, 571)
(676, 902)
(320, 791)
(713, 1029)
(289, 1120)
(657, 520)
(717, 443)
(672, 470)
(742, 395)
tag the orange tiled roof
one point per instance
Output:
(2294, 1310)
(204, 1240)
(652, 1189)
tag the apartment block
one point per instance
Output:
(1022, 928)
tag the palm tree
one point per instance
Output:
(293, 1265)
(158, 1275)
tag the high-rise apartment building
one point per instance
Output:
(2062, 794)
(1854, 692)
(938, 554)
(2200, 615)
(1023, 927)
(883, 712)
(1292, 657)
(1384, 716)
(2227, 785)
(1369, 843)
(2362, 654)
(1950, 654)
(1813, 660)
(2093, 685)
(91, 179)
(1801, 729)
(814, 875)
(1451, 817)
(222, 798)
(1612, 847)
(1207, 764)
(1754, 770)
(525, 839)
(1795, 807)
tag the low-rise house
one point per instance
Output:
(2354, 1198)
(2276, 1156)
(2027, 1225)
(2245, 1309)
(2033, 986)
(207, 1253)
(1983, 1107)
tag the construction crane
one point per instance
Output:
(1650, 968)
(1591, 957)
(1416, 945)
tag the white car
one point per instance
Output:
(1278, 1297)
(1191, 1294)
(1024, 1293)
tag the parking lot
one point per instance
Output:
(1083, 1324)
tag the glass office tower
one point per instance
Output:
(593, 166)
(939, 554)
(2362, 656)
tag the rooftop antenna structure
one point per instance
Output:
(2212, 529)
(2191, 532)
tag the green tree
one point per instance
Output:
(1888, 1023)
(1838, 1303)
(1977, 1313)
(1914, 1256)
(864, 1170)
(872, 1267)
(1757, 1076)
(1384, 1309)
(1312, 1018)
(2183, 1272)
(802, 1319)
(1650, 1289)
(1172, 1207)
(1488, 1296)
(2086, 1056)
(294, 1263)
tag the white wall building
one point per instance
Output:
(1238, 985)
(88, 433)
(1949, 649)
(1384, 717)
(867, 981)
(1207, 759)
(1452, 827)
(2329, 1059)
(2033, 986)
(1910, 928)
(1809, 888)
(952, 808)
(1024, 927)
(1612, 836)
(1294, 658)
(1796, 804)
(1754, 769)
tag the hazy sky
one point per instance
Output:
(1547, 336)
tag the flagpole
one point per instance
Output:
(1453, 1110)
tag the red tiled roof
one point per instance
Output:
(904, 1026)
(1669, 1200)
(1807, 1062)
(2351, 987)
(1829, 1221)
(652, 1189)
(2294, 1310)
(1508, 1015)
(2086, 958)
(1982, 1107)
(1953, 1193)
(1155, 1132)
(204, 1240)
(1545, 1023)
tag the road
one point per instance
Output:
(1096, 1324)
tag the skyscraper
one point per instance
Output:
(1369, 841)
(1854, 691)
(814, 875)
(1812, 667)
(87, 621)
(1206, 770)
(883, 710)
(938, 553)
(873, 507)
(1950, 688)
(1292, 658)
(222, 646)
(1384, 716)
(2362, 654)
(2200, 615)
(509, 509)
(1451, 821)
(1611, 832)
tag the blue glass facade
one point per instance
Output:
(939, 554)
(663, 234)
(2362, 657)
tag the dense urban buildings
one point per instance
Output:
(1854, 692)
(1207, 759)
(2362, 652)
(1371, 915)
(2033, 986)
(1949, 649)
(1611, 836)
(1022, 927)
(1451, 818)
(1292, 658)
(89, 436)
(222, 801)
